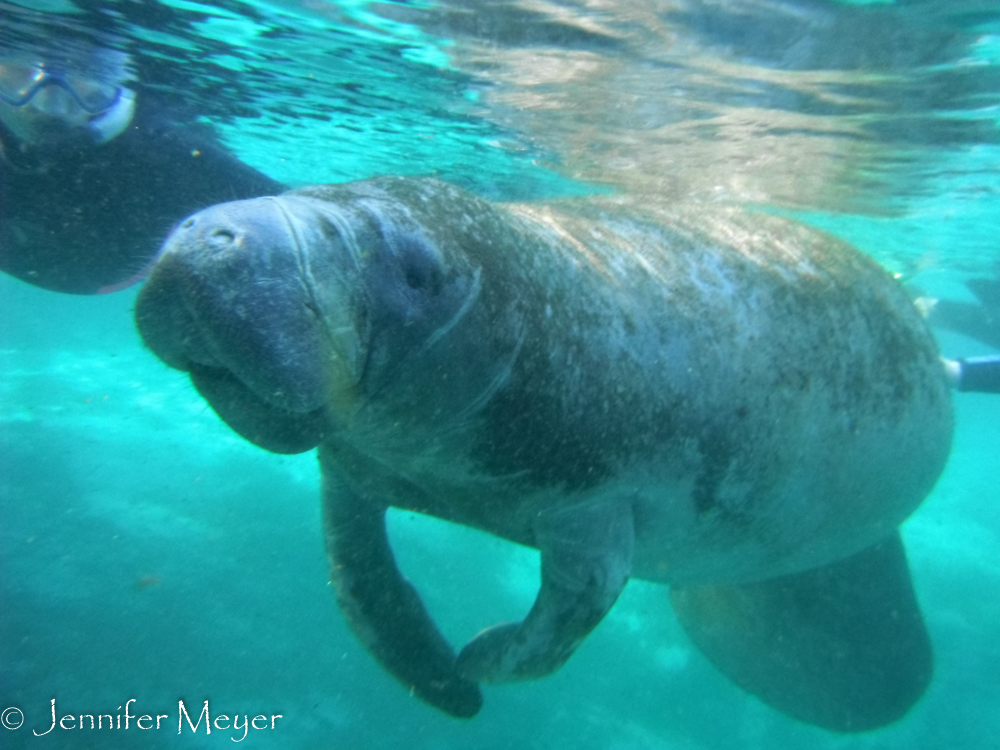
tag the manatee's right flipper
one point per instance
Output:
(382, 608)
(843, 646)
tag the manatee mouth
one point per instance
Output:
(263, 424)
(231, 301)
(269, 423)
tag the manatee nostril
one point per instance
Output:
(221, 237)
(187, 224)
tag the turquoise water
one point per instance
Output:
(149, 553)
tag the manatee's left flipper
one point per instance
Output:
(586, 561)
(382, 608)
(842, 646)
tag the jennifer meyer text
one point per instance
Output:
(12, 718)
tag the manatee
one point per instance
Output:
(723, 401)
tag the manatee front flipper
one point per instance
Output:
(842, 646)
(586, 561)
(383, 609)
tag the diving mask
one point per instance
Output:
(39, 104)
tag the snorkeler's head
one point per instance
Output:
(46, 102)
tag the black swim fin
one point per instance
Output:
(978, 374)
(843, 647)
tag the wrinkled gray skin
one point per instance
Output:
(732, 404)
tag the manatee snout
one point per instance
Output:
(232, 302)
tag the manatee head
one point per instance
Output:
(290, 312)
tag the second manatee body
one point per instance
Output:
(727, 402)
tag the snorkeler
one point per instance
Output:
(978, 320)
(94, 176)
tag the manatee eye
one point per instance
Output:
(414, 260)
(423, 275)
(414, 279)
